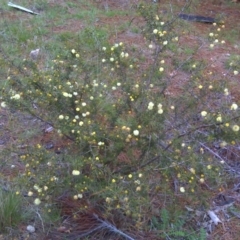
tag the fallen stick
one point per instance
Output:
(21, 8)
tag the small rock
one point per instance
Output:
(30, 228)
(49, 145)
(34, 54)
(49, 129)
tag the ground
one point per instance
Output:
(229, 229)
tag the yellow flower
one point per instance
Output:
(226, 92)
(150, 106)
(37, 201)
(16, 96)
(203, 113)
(30, 193)
(209, 167)
(235, 128)
(73, 51)
(219, 118)
(223, 144)
(65, 94)
(135, 132)
(75, 197)
(182, 189)
(192, 170)
(75, 172)
(201, 180)
(234, 106)
(3, 104)
(138, 189)
(161, 69)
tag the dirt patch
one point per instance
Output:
(72, 26)
(118, 5)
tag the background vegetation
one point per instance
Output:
(114, 130)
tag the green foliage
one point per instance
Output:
(233, 62)
(11, 211)
(175, 229)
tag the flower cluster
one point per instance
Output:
(214, 36)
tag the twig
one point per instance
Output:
(73, 236)
(218, 156)
(211, 151)
(234, 213)
(214, 217)
(41, 220)
(21, 8)
(101, 224)
(112, 228)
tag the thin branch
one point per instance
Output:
(219, 157)
(112, 228)
(41, 220)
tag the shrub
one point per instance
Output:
(133, 137)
